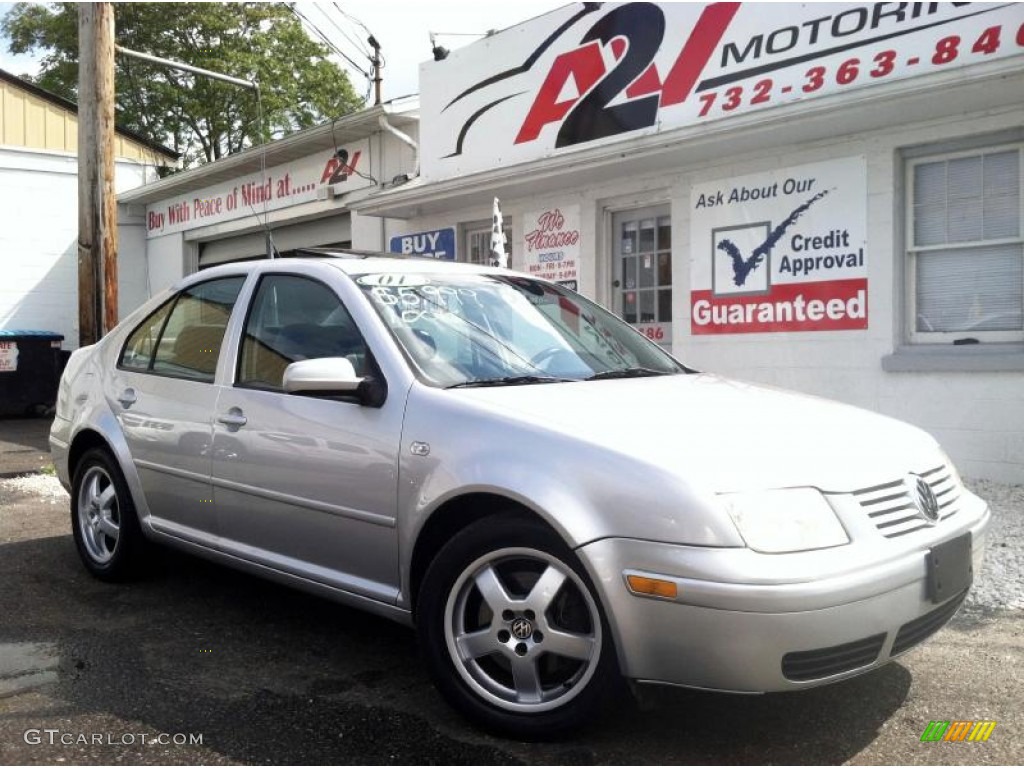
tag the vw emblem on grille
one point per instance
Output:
(522, 628)
(923, 497)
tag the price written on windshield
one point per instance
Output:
(415, 302)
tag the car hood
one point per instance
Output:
(722, 434)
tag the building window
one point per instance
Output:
(478, 244)
(966, 251)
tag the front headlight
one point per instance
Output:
(791, 520)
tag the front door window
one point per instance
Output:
(643, 271)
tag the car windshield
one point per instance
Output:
(489, 330)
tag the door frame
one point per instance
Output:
(659, 206)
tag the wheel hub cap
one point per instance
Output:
(522, 629)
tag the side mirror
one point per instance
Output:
(323, 377)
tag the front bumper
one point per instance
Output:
(732, 636)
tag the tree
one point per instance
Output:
(200, 118)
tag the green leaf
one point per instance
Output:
(202, 118)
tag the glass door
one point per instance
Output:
(642, 282)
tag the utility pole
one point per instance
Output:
(97, 205)
(376, 61)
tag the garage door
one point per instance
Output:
(333, 230)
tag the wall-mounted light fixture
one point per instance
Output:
(439, 51)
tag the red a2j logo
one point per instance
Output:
(338, 168)
(589, 117)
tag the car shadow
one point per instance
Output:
(271, 675)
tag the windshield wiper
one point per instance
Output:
(627, 373)
(506, 381)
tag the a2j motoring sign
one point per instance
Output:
(781, 251)
(601, 72)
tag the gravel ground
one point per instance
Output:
(1000, 585)
(41, 486)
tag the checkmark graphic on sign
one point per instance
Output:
(742, 267)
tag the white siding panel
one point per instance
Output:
(38, 241)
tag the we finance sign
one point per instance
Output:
(781, 251)
(600, 72)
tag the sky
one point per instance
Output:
(401, 26)
(18, 65)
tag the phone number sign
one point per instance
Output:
(606, 71)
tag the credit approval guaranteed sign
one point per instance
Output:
(593, 72)
(781, 251)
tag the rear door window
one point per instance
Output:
(138, 350)
(184, 337)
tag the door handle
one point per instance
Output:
(233, 418)
(127, 398)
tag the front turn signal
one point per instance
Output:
(644, 585)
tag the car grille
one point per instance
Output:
(824, 662)
(913, 632)
(894, 512)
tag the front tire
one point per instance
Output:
(103, 519)
(512, 631)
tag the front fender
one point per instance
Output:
(583, 491)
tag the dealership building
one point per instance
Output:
(826, 198)
(820, 197)
(298, 189)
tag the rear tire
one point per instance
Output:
(512, 630)
(103, 519)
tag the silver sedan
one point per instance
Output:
(553, 501)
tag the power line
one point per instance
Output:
(366, 29)
(329, 43)
(354, 40)
(352, 18)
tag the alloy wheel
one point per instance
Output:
(523, 630)
(99, 514)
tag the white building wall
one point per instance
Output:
(978, 416)
(396, 156)
(39, 236)
(169, 256)
(132, 267)
(165, 259)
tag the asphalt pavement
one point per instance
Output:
(23, 446)
(102, 674)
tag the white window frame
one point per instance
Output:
(912, 250)
(483, 227)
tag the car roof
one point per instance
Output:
(384, 264)
(351, 262)
(358, 262)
